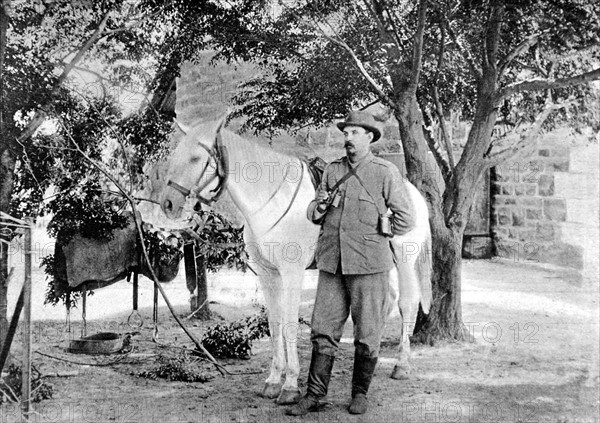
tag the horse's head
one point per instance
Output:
(197, 168)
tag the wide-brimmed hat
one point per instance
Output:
(362, 119)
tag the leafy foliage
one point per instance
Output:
(220, 242)
(10, 387)
(177, 368)
(57, 288)
(234, 340)
(84, 212)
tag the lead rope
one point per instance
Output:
(293, 198)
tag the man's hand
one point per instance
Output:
(322, 198)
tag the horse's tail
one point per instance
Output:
(424, 270)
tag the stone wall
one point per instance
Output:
(544, 207)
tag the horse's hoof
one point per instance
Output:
(400, 373)
(288, 397)
(271, 390)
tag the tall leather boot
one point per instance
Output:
(364, 367)
(319, 375)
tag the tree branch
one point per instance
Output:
(544, 84)
(378, 89)
(39, 117)
(527, 140)
(492, 37)
(518, 50)
(440, 115)
(435, 150)
(417, 54)
(464, 52)
(438, 105)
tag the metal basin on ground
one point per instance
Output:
(99, 343)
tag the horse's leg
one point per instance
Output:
(271, 288)
(291, 290)
(408, 304)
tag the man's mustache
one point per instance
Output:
(348, 144)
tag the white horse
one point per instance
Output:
(272, 191)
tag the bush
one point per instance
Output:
(175, 369)
(234, 340)
(10, 387)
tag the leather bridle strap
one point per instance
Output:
(182, 190)
(220, 156)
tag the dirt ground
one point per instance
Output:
(533, 357)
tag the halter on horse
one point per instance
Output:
(280, 239)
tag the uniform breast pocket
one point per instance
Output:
(367, 211)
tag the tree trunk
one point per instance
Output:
(445, 317)
(7, 168)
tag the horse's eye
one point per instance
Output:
(195, 159)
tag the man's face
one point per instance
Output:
(356, 141)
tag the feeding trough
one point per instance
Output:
(99, 343)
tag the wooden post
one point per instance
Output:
(189, 261)
(195, 278)
(27, 355)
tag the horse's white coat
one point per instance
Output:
(262, 183)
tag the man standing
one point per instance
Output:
(354, 258)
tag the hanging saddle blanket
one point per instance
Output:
(102, 262)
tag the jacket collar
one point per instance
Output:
(368, 158)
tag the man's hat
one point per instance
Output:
(362, 119)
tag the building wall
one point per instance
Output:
(544, 206)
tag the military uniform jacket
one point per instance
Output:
(349, 232)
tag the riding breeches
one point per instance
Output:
(364, 297)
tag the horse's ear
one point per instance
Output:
(183, 128)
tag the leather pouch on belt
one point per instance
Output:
(385, 225)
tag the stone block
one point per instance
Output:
(519, 189)
(530, 202)
(531, 190)
(518, 217)
(531, 171)
(500, 233)
(558, 164)
(534, 214)
(503, 216)
(555, 209)
(546, 232)
(527, 234)
(507, 189)
(560, 151)
(513, 233)
(506, 249)
(501, 200)
(544, 152)
(502, 175)
(546, 185)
